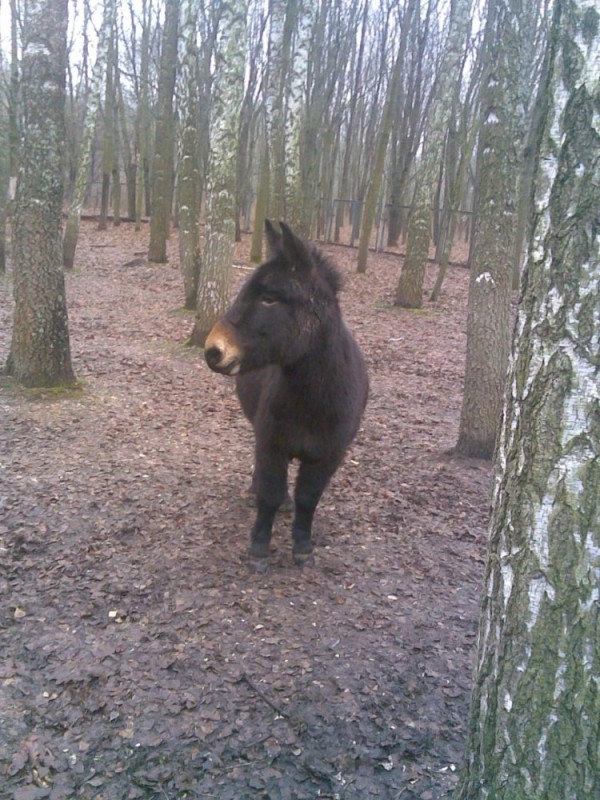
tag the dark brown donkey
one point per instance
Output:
(300, 377)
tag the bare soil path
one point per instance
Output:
(140, 657)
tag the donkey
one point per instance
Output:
(301, 379)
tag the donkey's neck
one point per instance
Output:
(315, 376)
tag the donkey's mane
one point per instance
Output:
(326, 269)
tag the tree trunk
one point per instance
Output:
(142, 118)
(219, 240)
(488, 317)
(189, 176)
(533, 732)
(162, 172)
(260, 211)
(40, 352)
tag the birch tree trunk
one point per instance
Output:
(488, 316)
(301, 17)
(162, 170)
(278, 62)
(534, 732)
(40, 352)
(189, 177)
(219, 241)
(142, 117)
(108, 134)
(71, 234)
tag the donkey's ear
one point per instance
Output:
(294, 249)
(274, 241)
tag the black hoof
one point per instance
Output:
(304, 559)
(259, 564)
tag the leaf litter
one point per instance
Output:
(141, 656)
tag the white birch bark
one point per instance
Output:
(534, 730)
(189, 170)
(228, 87)
(40, 350)
(295, 209)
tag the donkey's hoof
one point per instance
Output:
(287, 506)
(258, 564)
(304, 559)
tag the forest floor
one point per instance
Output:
(140, 655)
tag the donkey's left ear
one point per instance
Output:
(274, 243)
(294, 249)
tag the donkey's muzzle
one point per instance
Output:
(221, 351)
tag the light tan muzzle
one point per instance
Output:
(221, 349)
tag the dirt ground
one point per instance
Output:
(141, 656)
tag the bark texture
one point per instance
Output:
(214, 284)
(40, 352)
(189, 188)
(534, 729)
(162, 171)
(488, 319)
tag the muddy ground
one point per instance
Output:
(141, 657)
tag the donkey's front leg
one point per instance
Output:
(312, 480)
(270, 479)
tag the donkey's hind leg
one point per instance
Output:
(312, 480)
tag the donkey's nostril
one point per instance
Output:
(213, 356)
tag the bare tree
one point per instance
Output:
(219, 240)
(488, 318)
(533, 729)
(189, 186)
(40, 352)
(162, 170)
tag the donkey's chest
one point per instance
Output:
(300, 432)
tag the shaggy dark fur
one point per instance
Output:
(301, 378)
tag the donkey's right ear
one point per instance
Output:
(274, 239)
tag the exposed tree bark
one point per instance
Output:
(278, 64)
(260, 213)
(142, 117)
(189, 172)
(40, 352)
(219, 240)
(533, 732)
(108, 134)
(488, 317)
(162, 171)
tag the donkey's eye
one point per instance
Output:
(269, 299)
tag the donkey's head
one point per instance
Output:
(281, 312)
